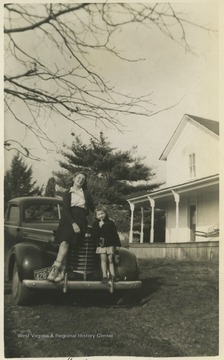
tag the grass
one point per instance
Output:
(174, 314)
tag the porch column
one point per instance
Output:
(177, 200)
(142, 225)
(132, 207)
(152, 203)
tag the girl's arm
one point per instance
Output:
(66, 207)
(117, 241)
(89, 201)
(95, 232)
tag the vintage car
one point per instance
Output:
(29, 228)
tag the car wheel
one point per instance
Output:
(21, 295)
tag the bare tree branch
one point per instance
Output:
(52, 16)
(49, 72)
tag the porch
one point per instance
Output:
(191, 211)
(198, 251)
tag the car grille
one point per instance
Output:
(82, 260)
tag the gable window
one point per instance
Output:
(192, 165)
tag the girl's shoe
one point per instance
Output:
(104, 280)
(53, 273)
(60, 276)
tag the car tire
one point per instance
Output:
(21, 294)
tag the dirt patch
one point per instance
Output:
(174, 314)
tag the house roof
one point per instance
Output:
(208, 181)
(210, 125)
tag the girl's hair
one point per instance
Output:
(84, 186)
(101, 208)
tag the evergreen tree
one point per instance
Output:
(112, 174)
(18, 180)
(50, 188)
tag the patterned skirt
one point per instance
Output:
(109, 250)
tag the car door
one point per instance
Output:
(11, 226)
(39, 219)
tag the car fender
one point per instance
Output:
(127, 268)
(28, 258)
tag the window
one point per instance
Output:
(192, 165)
(13, 215)
(42, 212)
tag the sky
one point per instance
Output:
(184, 82)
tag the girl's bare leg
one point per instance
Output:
(103, 258)
(62, 252)
(111, 265)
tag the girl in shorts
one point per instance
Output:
(105, 234)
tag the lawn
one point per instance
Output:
(174, 314)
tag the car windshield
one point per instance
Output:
(40, 212)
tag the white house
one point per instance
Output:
(190, 197)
